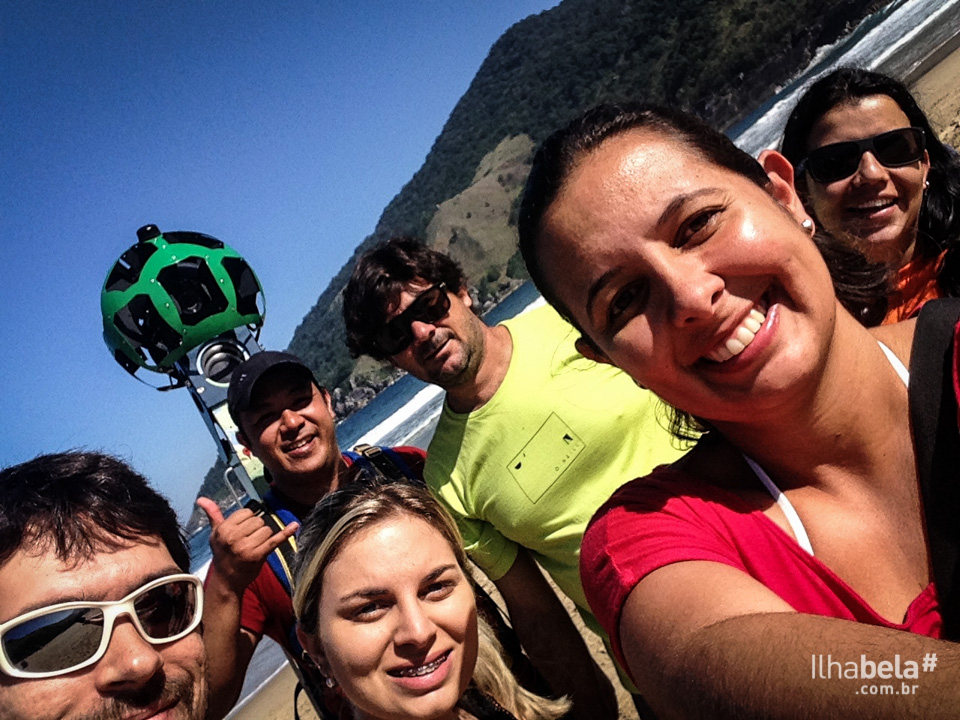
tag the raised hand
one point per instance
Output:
(241, 543)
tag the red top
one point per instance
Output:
(668, 517)
(267, 608)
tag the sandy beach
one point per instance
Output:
(939, 95)
(275, 700)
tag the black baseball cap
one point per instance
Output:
(247, 374)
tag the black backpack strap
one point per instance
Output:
(496, 618)
(387, 461)
(933, 419)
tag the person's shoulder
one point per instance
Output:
(711, 473)
(542, 318)
(409, 458)
(663, 482)
(410, 451)
(266, 588)
(898, 337)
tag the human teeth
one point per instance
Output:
(754, 321)
(422, 669)
(874, 204)
(740, 338)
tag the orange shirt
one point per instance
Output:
(916, 283)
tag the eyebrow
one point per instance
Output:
(377, 592)
(669, 212)
(50, 602)
(679, 201)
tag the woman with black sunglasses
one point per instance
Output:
(870, 168)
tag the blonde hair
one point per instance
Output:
(368, 500)
(492, 677)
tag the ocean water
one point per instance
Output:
(897, 40)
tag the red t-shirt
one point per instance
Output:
(668, 517)
(267, 608)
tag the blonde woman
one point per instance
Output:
(387, 611)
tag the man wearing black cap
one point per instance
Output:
(284, 417)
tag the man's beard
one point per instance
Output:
(160, 691)
(463, 370)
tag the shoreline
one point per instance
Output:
(938, 94)
(932, 61)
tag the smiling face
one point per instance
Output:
(397, 622)
(134, 679)
(878, 205)
(290, 427)
(447, 352)
(693, 279)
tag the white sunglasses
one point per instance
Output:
(62, 638)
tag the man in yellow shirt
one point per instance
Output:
(532, 439)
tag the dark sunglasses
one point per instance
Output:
(834, 162)
(429, 306)
(62, 638)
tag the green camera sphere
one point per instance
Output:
(171, 292)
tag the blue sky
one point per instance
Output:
(281, 128)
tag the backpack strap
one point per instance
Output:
(387, 460)
(280, 561)
(277, 518)
(933, 419)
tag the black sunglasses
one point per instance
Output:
(66, 637)
(834, 162)
(429, 306)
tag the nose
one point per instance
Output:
(129, 663)
(290, 420)
(693, 291)
(422, 330)
(415, 627)
(869, 169)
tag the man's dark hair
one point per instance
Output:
(80, 504)
(378, 279)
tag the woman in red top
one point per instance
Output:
(794, 528)
(870, 168)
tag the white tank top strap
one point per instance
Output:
(786, 506)
(897, 364)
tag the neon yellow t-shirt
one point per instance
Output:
(531, 466)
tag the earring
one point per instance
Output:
(926, 184)
(330, 682)
(807, 224)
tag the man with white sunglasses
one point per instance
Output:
(99, 618)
